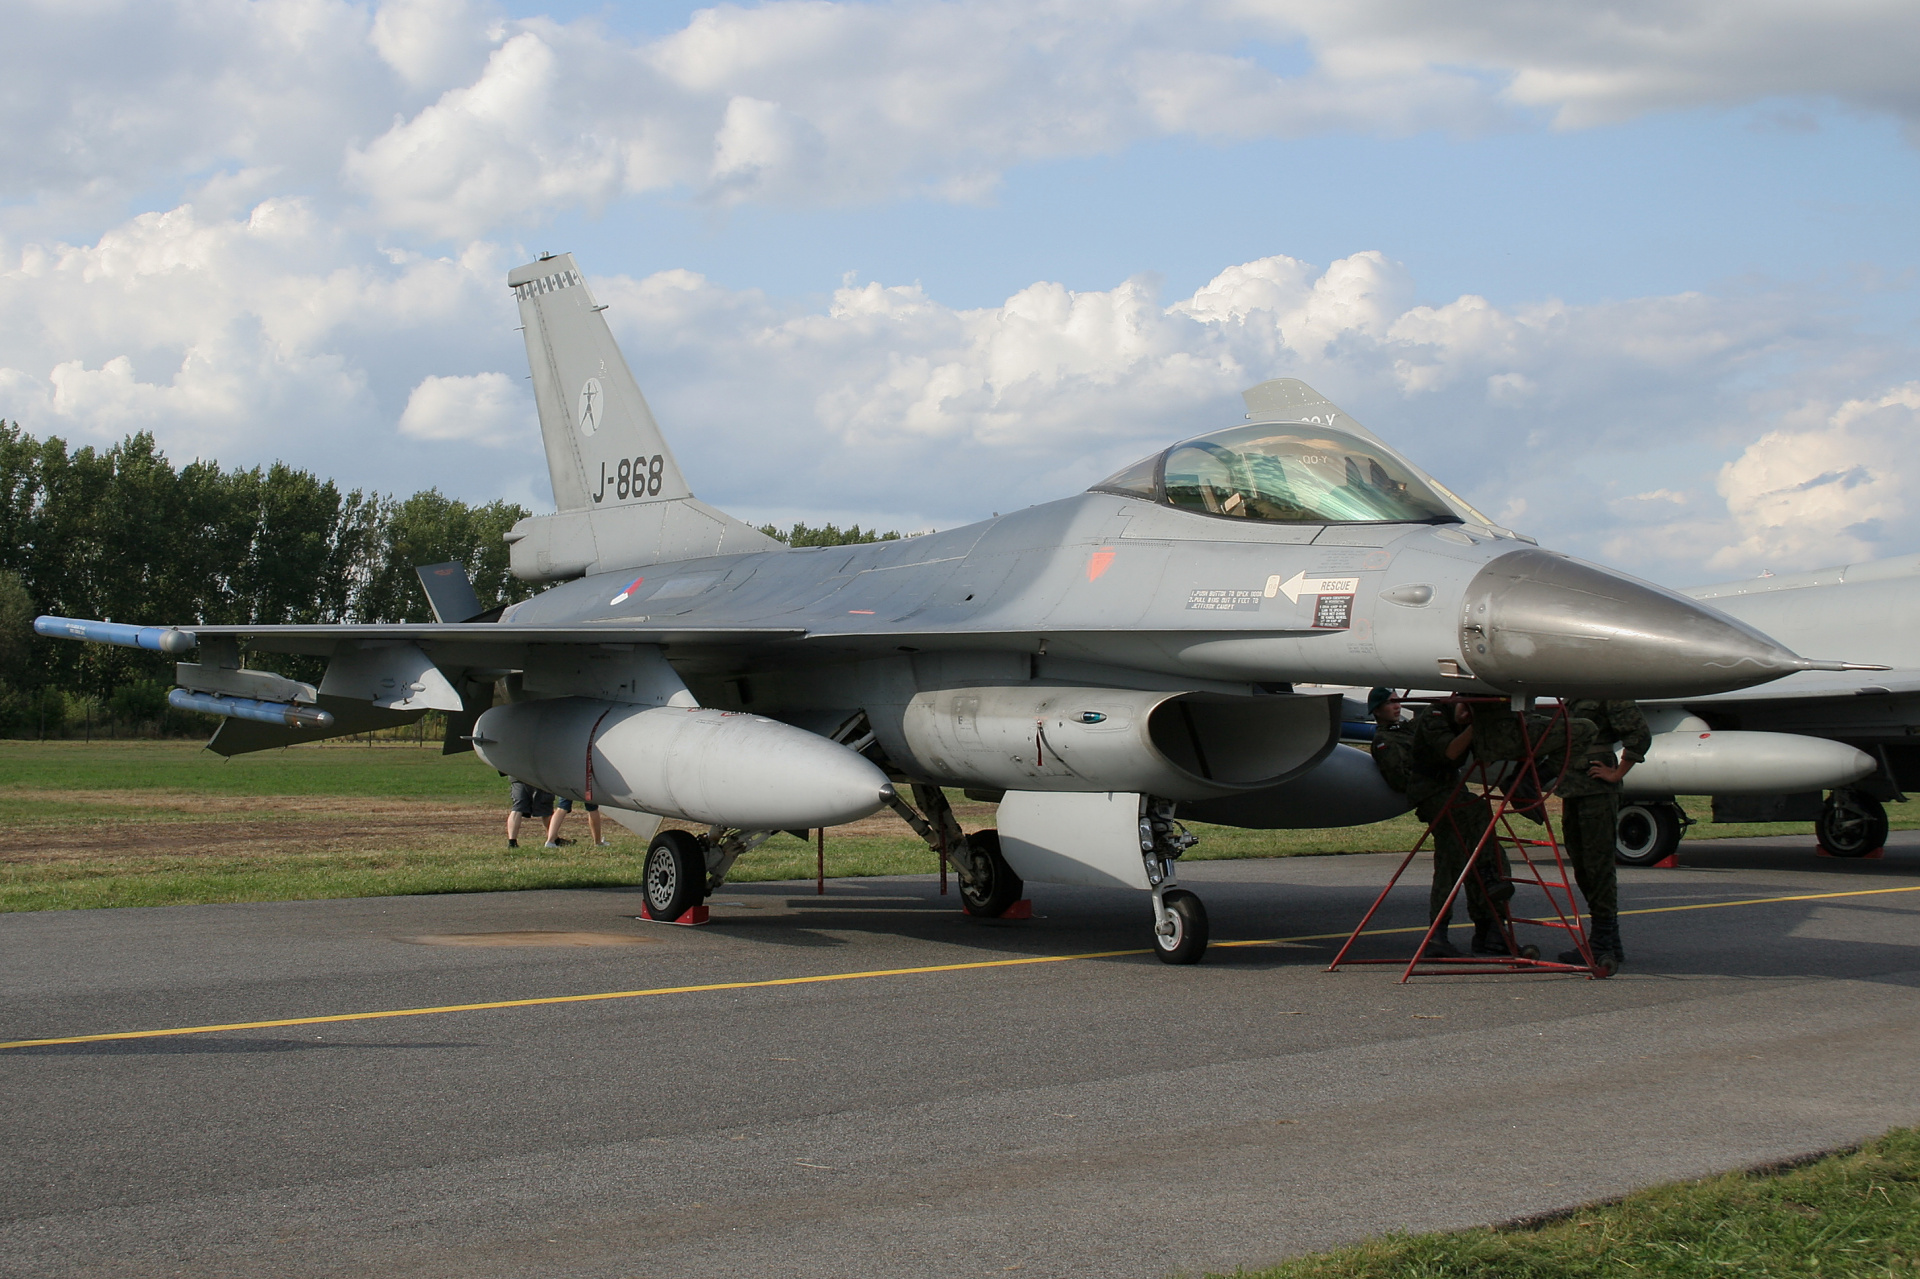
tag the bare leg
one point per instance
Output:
(513, 824)
(553, 824)
(593, 827)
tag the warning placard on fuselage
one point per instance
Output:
(1332, 612)
(1224, 601)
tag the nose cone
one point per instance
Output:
(1536, 622)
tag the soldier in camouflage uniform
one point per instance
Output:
(1498, 735)
(1590, 810)
(1421, 759)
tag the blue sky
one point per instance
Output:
(1634, 278)
(1703, 199)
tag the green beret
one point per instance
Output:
(1377, 698)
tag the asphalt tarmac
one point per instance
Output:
(945, 1106)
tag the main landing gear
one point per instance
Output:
(1851, 824)
(1647, 832)
(682, 869)
(989, 885)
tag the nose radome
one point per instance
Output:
(1537, 622)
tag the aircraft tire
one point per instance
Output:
(1646, 832)
(1851, 825)
(1002, 887)
(674, 876)
(1189, 940)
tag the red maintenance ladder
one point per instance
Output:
(1509, 788)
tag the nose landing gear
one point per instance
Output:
(1180, 933)
(1179, 920)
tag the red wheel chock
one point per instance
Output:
(1022, 909)
(697, 915)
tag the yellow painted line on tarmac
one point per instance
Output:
(820, 978)
(1644, 910)
(1767, 901)
(571, 999)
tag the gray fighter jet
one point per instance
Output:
(1768, 753)
(1102, 665)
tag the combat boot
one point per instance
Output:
(1489, 940)
(1440, 948)
(1606, 937)
(1603, 939)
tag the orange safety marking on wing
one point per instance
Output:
(1098, 562)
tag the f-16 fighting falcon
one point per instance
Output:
(1103, 665)
(1767, 753)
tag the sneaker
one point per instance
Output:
(559, 843)
(513, 843)
(603, 844)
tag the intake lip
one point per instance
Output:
(1538, 622)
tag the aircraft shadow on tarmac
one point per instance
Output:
(197, 1045)
(1736, 854)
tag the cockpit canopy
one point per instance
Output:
(1286, 473)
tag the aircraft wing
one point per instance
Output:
(1812, 685)
(322, 640)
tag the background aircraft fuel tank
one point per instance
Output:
(1533, 621)
(1734, 763)
(723, 768)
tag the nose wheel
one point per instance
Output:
(1180, 934)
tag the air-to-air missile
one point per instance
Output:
(291, 714)
(1103, 665)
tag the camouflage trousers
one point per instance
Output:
(1587, 829)
(1456, 832)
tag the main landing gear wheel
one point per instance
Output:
(675, 879)
(1188, 940)
(1646, 833)
(1851, 824)
(995, 887)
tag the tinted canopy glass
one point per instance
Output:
(1295, 473)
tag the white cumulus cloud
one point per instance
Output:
(444, 118)
(481, 408)
(1833, 493)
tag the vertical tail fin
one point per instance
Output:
(449, 591)
(603, 447)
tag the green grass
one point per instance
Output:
(1854, 1214)
(146, 823)
(386, 770)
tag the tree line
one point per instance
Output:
(122, 534)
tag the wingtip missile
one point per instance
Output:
(155, 639)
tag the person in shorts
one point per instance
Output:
(526, 801)
(562, 806)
